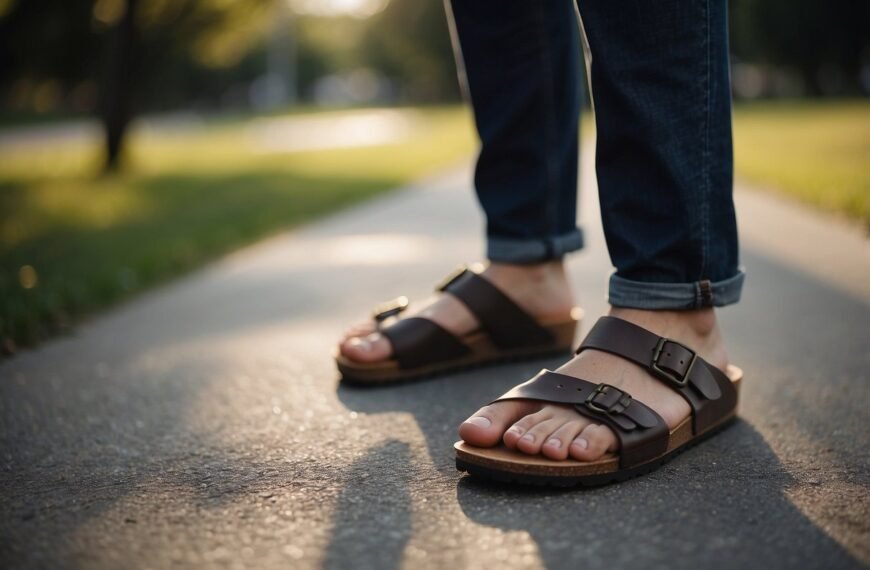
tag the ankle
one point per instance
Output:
(545, 272)
(701, 322)
(697, 329)
(542, 289)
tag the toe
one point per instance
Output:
(513, 435)
(486, 427)
(535, 437)
(593, 442)
(370, 348)
(556, 446)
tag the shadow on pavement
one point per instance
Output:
(719, 505)
(722, 504)
(439, 404)
(368, 535)
(130, 469)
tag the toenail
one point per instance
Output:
(479, 421)
(529, 437)
(581, 443)
(361, 344)
(555, 443)
(516, 430)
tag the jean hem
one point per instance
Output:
(509, 250)
(675, 296)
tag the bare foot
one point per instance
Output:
(557, 431)
(542, 290)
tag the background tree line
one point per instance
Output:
(119, 58)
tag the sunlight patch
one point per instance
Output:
(375, 249)
(332, 130)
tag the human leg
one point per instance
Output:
(516, 57)
(660, 88)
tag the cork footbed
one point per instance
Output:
(482, 352)
(509, 465)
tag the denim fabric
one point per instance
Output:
(523, 69)
(650, 295)
(659, 78)
(523, 250)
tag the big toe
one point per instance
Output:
(359, 329)
(370, 348)
(486, 427)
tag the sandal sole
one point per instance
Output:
(347, 377)
(523, 479)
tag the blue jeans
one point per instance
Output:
(660, 84)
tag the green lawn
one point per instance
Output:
(817, 152)
(72, 242)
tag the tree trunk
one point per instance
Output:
(118, 78)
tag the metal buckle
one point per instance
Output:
(389, 309)
(618, 406)
(670, 376)
(453, 276)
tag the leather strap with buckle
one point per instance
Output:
(706, 388)
(642, 433)
(608, 399)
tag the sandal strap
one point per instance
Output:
(419, 342)
(506, 324)
(642, 433)
(707, 389)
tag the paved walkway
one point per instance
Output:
(202, 424)
(344, 128)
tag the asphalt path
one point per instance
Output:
(203, 423)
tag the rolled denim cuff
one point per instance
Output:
(675, 296)
(507, 250)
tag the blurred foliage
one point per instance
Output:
(71, 243)
(195, 52)
(69, 55)
(825, 43)
(421, 56)
(203, 52)
(64, 43)
(118, 58)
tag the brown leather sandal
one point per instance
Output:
(422, 347)
(645, 440)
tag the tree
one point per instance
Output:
(139, 53)
(150, 39)
(118, 82)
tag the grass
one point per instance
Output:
(72, 242)
(815, 151)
